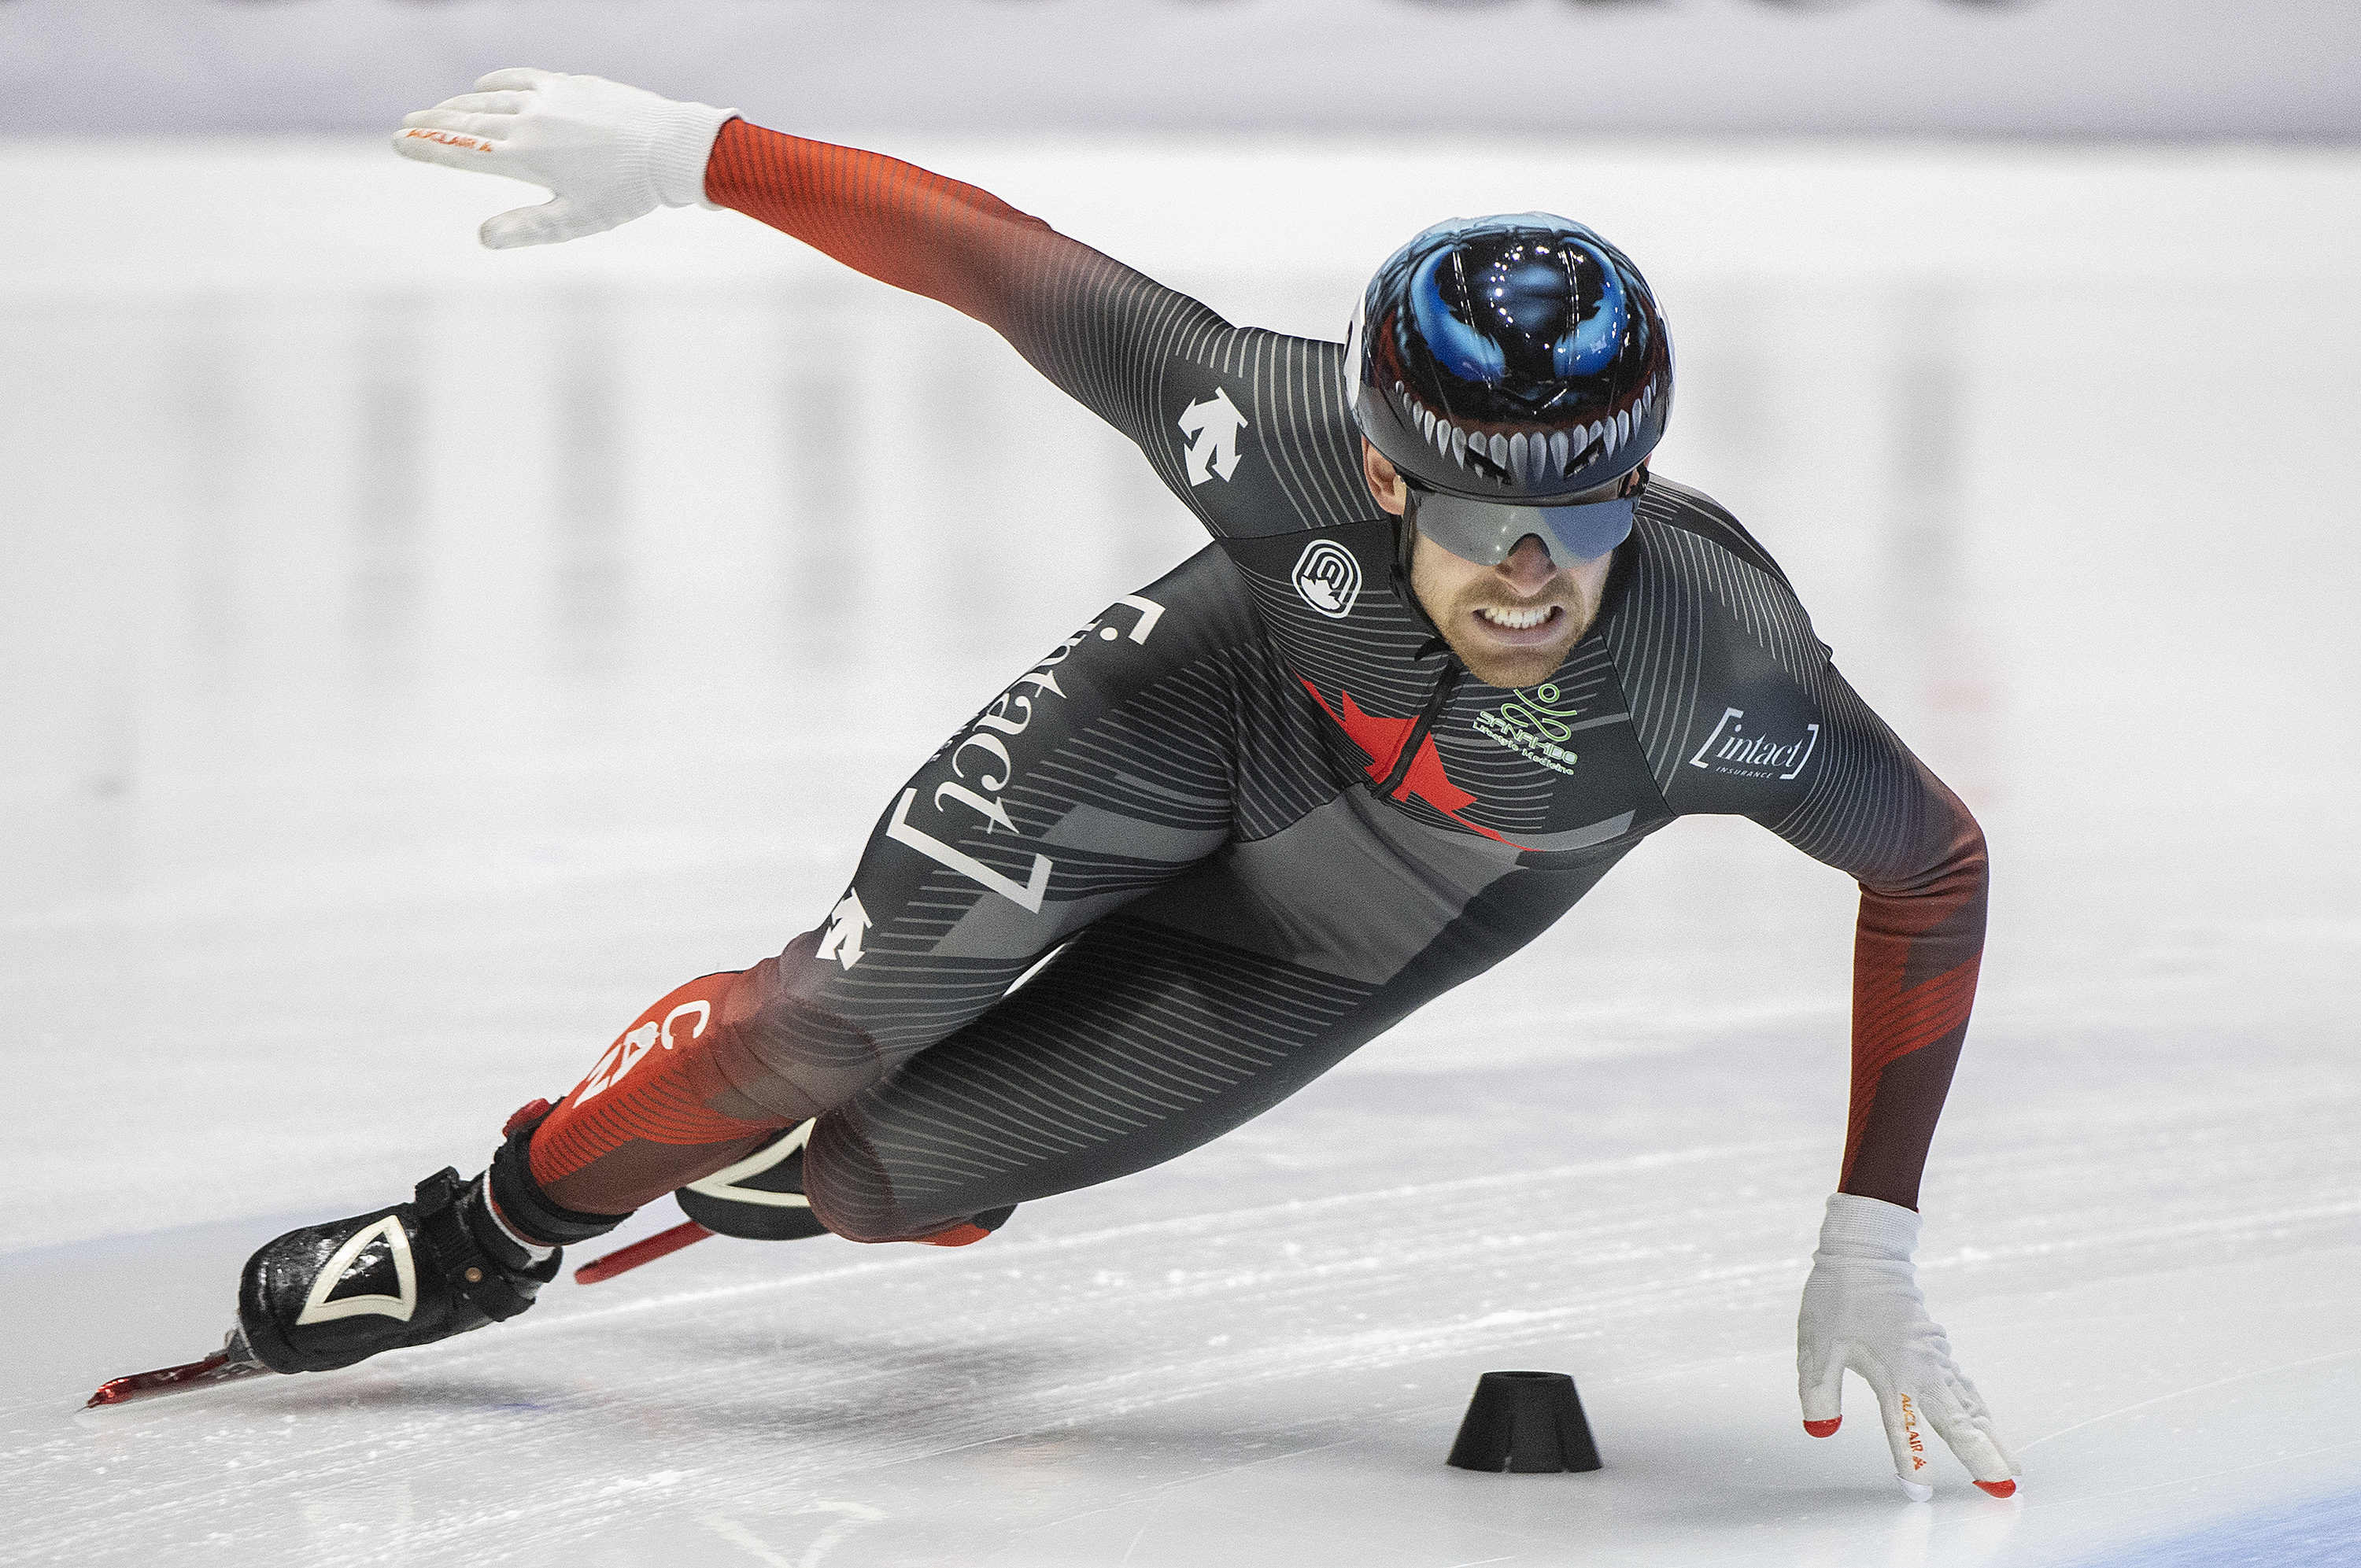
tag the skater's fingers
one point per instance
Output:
(452, 149)
(1819, 1383)
(1983, 1424)
(553, 221)
(2006, 1452)
(1978, 1415)
(456, 148)
(1971, 1442)
(1906, 1427)
(442, 117)
(485, 103)
(1972, 1400)
(514, 78)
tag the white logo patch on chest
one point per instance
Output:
(1328, 578)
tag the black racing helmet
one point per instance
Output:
(1512, 360)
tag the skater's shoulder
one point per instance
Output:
(1259, 439)
(1277, 375)
(1692, 528)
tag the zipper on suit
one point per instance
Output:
(1444, 685)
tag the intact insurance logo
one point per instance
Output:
(1328, 578)
(1761, 753)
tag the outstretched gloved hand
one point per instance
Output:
(1862, 1310)
(607, 153)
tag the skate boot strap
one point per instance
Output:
(525, 1207)
(483, 1266)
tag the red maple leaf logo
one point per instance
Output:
(1382, 739)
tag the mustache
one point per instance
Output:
(1569, 598)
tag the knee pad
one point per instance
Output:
(851, 1193)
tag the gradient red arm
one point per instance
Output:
(1090, 324)
(1916, 949)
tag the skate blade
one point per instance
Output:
(212, 1371)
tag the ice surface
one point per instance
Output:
(414, 659)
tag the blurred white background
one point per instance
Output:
(413, 658)
(2150, 69)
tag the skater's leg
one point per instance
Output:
(1187, 1014)
(1099, 775)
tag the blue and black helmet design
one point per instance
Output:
(1519, 357)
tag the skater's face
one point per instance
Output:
(1514, 624)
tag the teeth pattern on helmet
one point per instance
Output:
(1531, 458)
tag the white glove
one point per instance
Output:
(608, 153)
(1862, 1310)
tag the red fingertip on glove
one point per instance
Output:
(1999, 1489)
(1829, 1429)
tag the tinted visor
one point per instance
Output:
(1486, 531)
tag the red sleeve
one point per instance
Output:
(1098, 330)
(1916, 950)
(892, 220)
(1124, 347)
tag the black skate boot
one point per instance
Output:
(459, 1256)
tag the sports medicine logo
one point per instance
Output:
(1328, 578)
(1533, 724)
(1731, 749)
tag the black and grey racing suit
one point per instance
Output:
(1256, 810)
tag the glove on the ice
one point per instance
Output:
(1862, 1310)
(605, 152)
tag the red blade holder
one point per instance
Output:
(624, 1259)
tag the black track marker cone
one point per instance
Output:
(1524, 1422)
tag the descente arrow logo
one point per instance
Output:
(843, 941)
(1212, 429)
